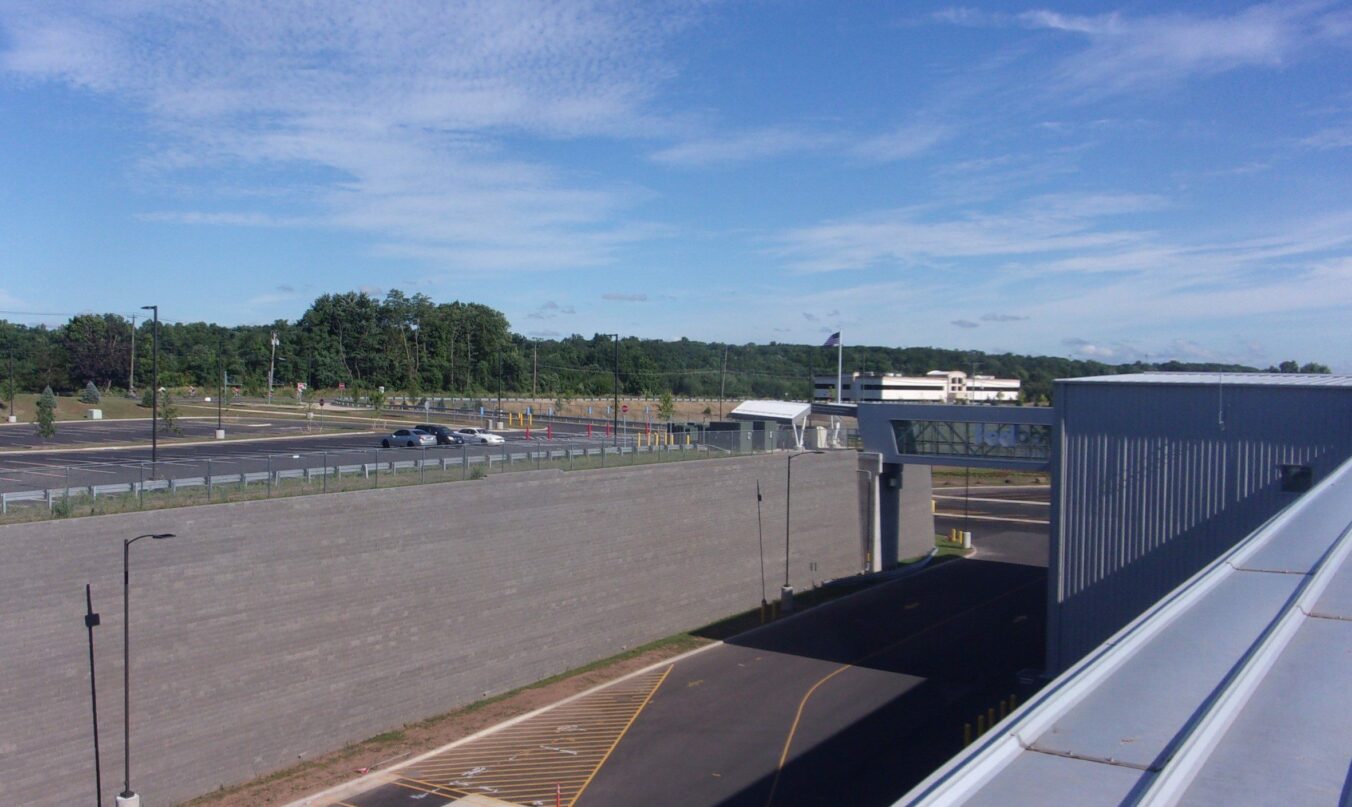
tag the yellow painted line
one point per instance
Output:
(623, 732)
(438, 790)
(802, 704)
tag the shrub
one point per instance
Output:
(91, 394)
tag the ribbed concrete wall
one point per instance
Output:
(1157, 480)
(271, 631)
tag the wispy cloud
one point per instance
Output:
(385, 120)
(1125, 52)
(619, 297)
(550, 309)
(965, 323)
(1128, 53)
(744, 146)
(1050, 224)
(903, 143)
(1336, 137)
(1002, 318)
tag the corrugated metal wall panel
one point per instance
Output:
(1155, 481)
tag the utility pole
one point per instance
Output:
(272, 364)
(220, 355)
(131, 373)
(615, 413)
(154, 387)
(92, 621)
(499, 382)
(535, 369)
(722, 385)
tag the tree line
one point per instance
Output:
(413, 345)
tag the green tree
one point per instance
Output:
(46, 417)
(147, 397)
(90, 395)
(377, 398)
(666, 406)
(169, 414)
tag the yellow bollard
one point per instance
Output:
(966, 734)
(1004, 709)
(990, 716)
(980, 725)
(687, 438)
(532, 418)
(1013, 702)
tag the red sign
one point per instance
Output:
(341, 386)
(624, 408)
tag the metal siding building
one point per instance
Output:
(1160, 473)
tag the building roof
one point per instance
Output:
(1214, 379)
(1234, 688)
(781, 411)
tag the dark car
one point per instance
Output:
(444, 435)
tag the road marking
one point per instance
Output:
(524, 763)
(994, 501)
(1008, 519)
(802, 704)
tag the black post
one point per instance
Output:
(91, 622)
(219, 403)
(126, 671)
(760, 535)
(615, 413)
(499, 414)
(13, 382)
(154, 387)
(127, 792)
(788, 510)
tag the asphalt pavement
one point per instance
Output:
(852, 702)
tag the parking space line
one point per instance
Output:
(558, 751)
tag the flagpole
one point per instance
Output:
(840, 360)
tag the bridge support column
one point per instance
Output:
(901, 524)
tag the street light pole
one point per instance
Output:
(615, 413)
(220, 353)
(786, 593)
(154, 387)
(128, 797)
(91, 622)
(272, 365)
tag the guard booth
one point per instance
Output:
(781, 413)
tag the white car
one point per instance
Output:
(480, 436)
(412, 438)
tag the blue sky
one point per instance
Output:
(1140, 181)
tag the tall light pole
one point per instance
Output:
(154, 387)
(272, 364)
(91, 622)
(220, 354)
(615, 413)
(786, 593)
(128, 797)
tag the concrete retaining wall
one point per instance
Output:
(271, 631)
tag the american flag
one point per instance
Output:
(833, 341)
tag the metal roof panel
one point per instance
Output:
(1136, 711)
(1292, 743)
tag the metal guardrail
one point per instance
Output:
(317, 468)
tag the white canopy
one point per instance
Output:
(790, 412)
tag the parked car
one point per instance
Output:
(480, 436)
(412, 438)
(444, 435)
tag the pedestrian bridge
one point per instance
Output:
(956, 435)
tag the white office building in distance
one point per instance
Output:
(936, 386)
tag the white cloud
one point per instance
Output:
(615, 296)
(1049, 224)
(384, 119)
(1128, 53)
(743, 146)
(1339, 137)
(965, 323)
(903, 143)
